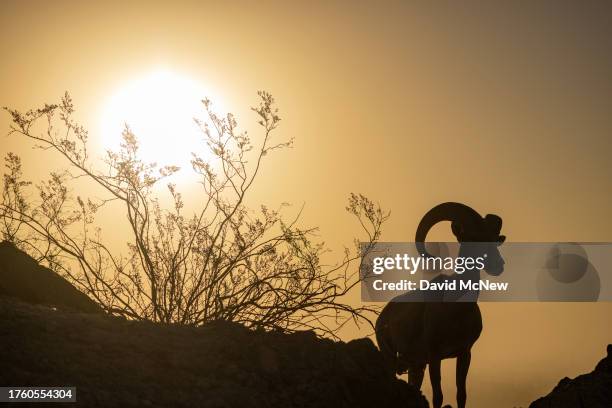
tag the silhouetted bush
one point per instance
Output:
(222, 262)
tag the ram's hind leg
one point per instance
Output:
(415, 375)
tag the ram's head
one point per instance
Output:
(479, 236)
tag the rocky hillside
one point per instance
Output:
(592, 390)
(22, 278)
(50, 341)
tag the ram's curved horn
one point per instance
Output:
(454, 212)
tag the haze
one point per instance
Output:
(503, 106)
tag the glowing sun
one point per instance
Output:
(159, 108)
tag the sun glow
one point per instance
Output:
(159, 108)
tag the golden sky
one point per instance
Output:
(505, 107)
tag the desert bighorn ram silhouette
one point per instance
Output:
(412, 335)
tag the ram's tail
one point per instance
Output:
(383, 338)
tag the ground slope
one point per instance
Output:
(592, 390)
(114, 362)
(21, 277)
(48, 338)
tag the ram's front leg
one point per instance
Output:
(436, 383)
(463, 365)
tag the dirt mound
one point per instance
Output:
(592, 390)
(119, 363)
(21, 277)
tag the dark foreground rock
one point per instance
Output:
(592, 390)
(119, 363)
(21, 277)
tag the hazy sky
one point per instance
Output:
(505, 107)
